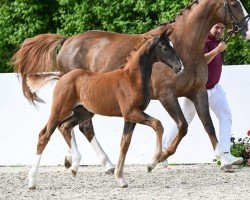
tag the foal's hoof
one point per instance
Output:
(67, 162)
(110, 171)
(122, 183)
(149, 169)
(124, 186)
(73, 173)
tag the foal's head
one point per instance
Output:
(165, 52)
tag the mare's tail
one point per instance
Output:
(36, 81)
(36, 55)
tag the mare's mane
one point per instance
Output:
(188, 7)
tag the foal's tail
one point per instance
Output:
(35, 55)
(36, 81)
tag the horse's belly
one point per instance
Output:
(103, 108)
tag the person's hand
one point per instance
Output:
(221, 47)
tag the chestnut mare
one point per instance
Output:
(125, 92)
(105, 51)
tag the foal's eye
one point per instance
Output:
(165, 49)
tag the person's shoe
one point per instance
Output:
(227, 160)
(165, 163)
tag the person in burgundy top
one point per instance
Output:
(216, 98)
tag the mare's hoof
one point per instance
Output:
(67, 163)
(32, 187)
(73, 173)
(110, 171)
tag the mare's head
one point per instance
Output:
(165, 51)
(233, 14)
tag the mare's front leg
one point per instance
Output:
(124, 145)
(202, 108)
(200, 100)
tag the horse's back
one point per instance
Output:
(96, 51)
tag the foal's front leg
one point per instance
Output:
(143, 118)
(125, 142)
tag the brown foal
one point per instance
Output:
(125, 92)
(105, 51)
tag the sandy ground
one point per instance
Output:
(199, 181)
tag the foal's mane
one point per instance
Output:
(136, 48)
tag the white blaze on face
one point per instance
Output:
(248, 24)
(182, 67)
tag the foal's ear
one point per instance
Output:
(166, 33)
(169, 31)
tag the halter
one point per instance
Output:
(238, 26)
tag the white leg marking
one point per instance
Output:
(76, 156)
(154, 161)
(120, 180)
(33, 173)
(102, 155)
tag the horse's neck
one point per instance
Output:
(192, 27)
(140, 64)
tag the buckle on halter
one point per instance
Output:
(236, 28)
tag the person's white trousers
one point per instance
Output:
(219, 105)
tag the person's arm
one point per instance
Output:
(210, 55)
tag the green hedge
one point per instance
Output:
(20, 19)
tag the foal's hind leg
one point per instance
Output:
(79, 114)
(88, 130)
(75, 156)
(125, 142)
(43, 140)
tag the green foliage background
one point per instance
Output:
(21, 19)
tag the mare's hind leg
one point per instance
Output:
(124, 145)
(43, 140)
(79, 114)
(88, 130)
